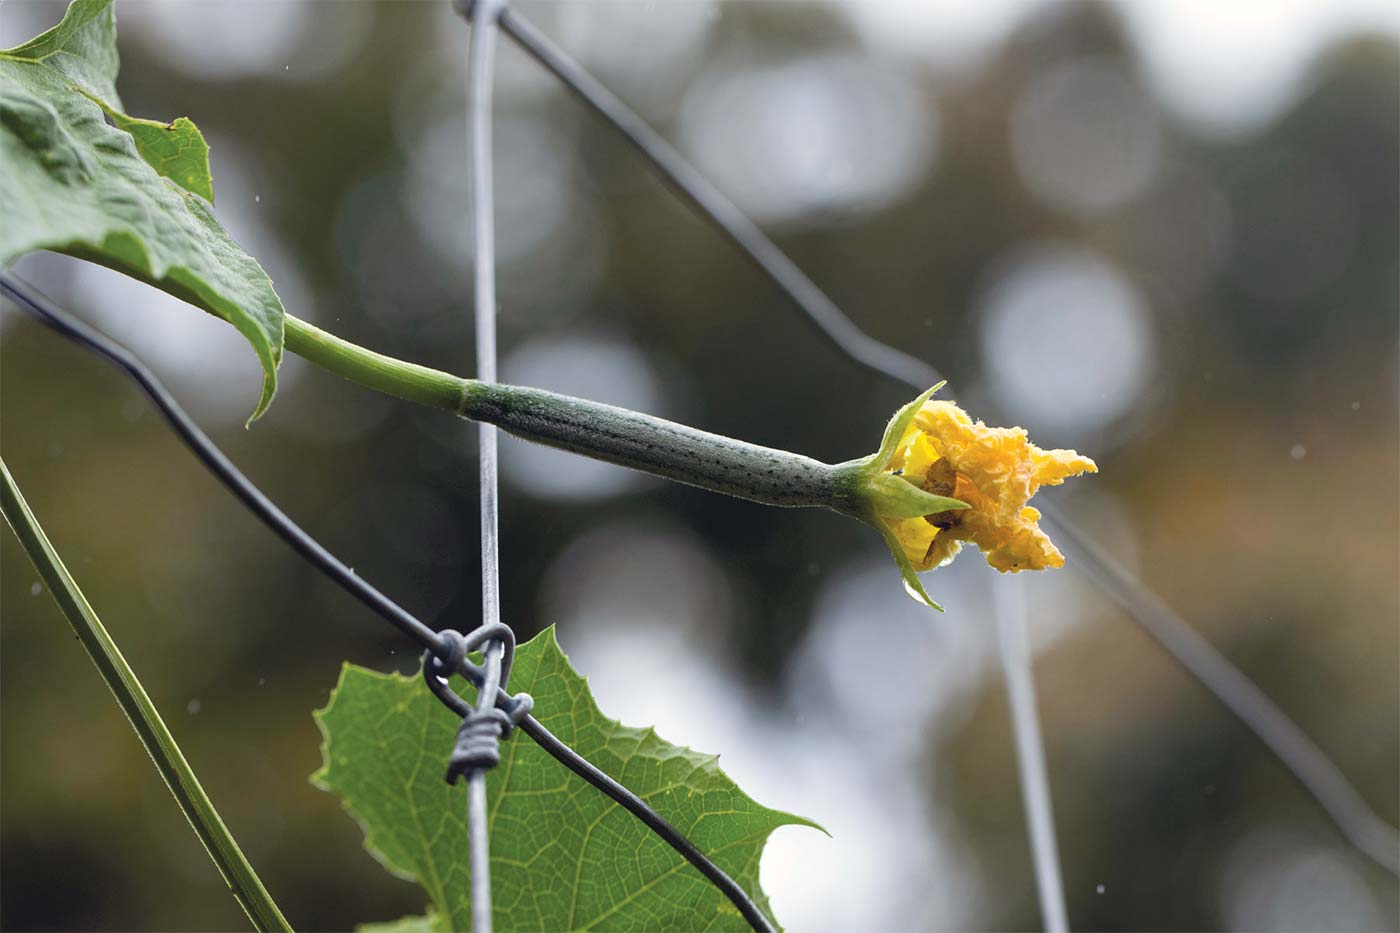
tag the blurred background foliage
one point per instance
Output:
(1163, 233)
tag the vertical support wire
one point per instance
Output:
(479, 839)
(480, 60)
(1009, 607)
(1322, 779)
(483, 14)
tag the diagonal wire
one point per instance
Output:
(714, 206)
(41, 306)
(1308, 763)
(31, 300)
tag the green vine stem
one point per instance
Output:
(430, 387)
(242, 880)
(602, 432)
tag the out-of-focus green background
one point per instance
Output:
(1163, 233)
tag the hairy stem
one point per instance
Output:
(602, 432)
(242, 880)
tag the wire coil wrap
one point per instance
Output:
(484, 725)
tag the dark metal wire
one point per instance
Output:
(30, 299)
(38, 304)
(1309, 765)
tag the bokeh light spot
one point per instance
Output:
(1085, 138)
(1066, 341)
(789, 141)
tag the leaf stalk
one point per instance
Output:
(244, 883)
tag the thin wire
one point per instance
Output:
(1310, 766)
(1009, 604)
(30, 299)
(1318, 775)
(555, 747)
(477, 828)
(696, 189)
(480, 61)
(638, 808)
(1299, 754)
(44, 308)
(483, 16)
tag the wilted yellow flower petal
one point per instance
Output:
(915, 536)
(995, 471)
(920, 455)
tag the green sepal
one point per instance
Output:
(912, 584)
(894, 496)
(891, 497)
(894, 431)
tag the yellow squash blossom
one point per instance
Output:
(981, 478)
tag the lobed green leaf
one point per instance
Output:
(131, 194)
(563, 856)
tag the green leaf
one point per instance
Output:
(175, 150)
(563, 856)
(129, 195)
(82, 48)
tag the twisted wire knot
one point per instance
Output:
(478, 742)
(483, 726)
